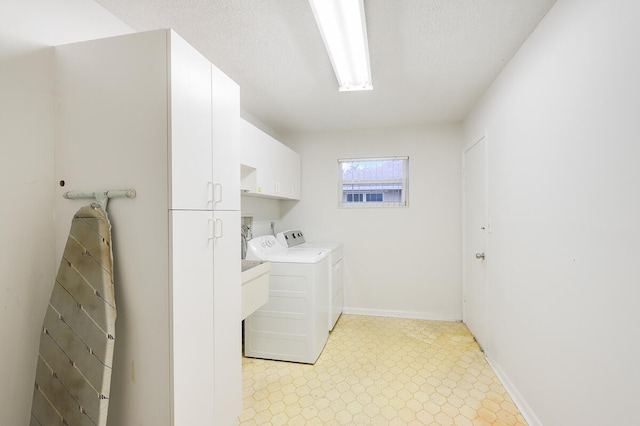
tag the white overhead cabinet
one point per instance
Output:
(269, 168)
(147, 111)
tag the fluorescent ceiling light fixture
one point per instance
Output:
(344, 31)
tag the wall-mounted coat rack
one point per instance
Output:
(102, 197)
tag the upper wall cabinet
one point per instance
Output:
(268, 168)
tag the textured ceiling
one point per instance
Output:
(430, 59)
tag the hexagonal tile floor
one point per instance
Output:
(381, 371)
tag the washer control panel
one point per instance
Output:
(268, 242)
(261, 247)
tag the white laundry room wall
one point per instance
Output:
(263, 212)
(562, 125)
(27, 258)
(398, 261)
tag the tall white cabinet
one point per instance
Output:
(147, 111)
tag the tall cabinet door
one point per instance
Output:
(191, 133)
(192, 328)
(227, 314)
(226, 141)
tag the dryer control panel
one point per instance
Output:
(291, 238)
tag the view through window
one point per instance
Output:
(374, 182)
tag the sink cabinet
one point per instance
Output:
(147, 111)
(255, 285)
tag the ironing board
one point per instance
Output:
(73, 374)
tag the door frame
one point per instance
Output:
(465, 279)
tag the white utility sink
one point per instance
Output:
(255, 285)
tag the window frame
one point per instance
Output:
(395, 184)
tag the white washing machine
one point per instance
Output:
(294, 239)
(292, 325)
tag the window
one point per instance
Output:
(354, 198)
(374, 182)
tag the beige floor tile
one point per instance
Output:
(381, 371)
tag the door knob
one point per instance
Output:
(480, 256)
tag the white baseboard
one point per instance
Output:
(400, 314)
(522, 405)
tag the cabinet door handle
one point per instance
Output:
(210, 192)
(215, 229)
(217, 192)
(211, 229)
(218, 231)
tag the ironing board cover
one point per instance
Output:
(73, 374)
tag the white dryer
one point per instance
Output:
(294, 239)
(292, 325)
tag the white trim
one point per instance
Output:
(391, 157)
(401, 314)
(517, 398)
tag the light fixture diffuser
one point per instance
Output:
(344, 31)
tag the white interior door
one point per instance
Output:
(475, 239)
